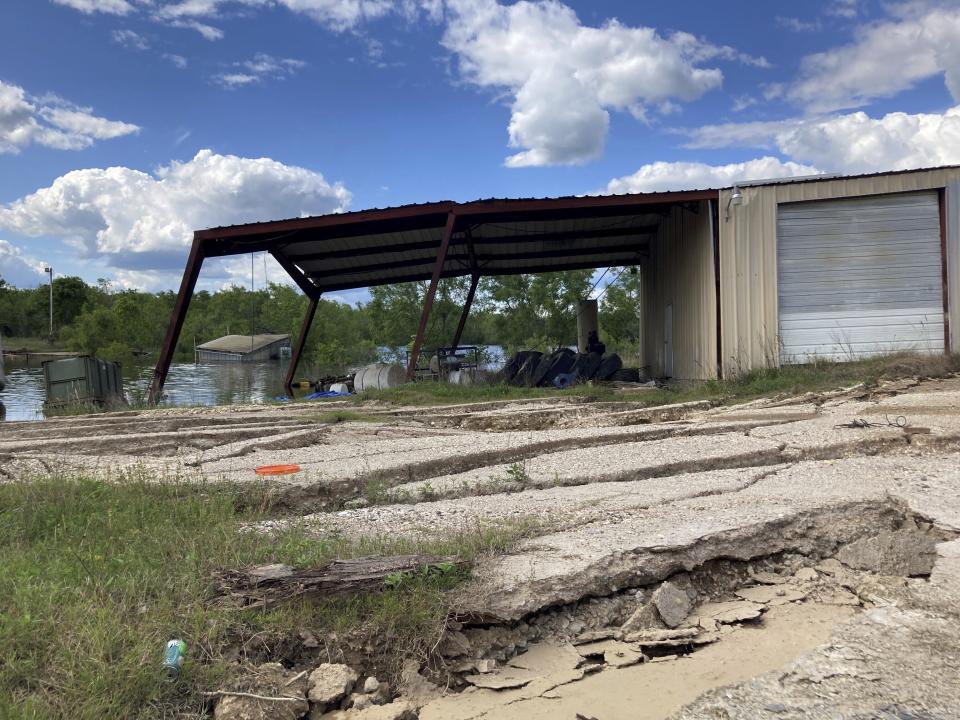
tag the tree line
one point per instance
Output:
(514, 312)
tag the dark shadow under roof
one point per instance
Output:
(490, 237)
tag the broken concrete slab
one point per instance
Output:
(503, 679)
(672, 603)
(733, 611)
(600, 559)
(620, 654)
(907, 552)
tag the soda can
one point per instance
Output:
(173, 657)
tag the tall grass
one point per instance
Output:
(95, 577)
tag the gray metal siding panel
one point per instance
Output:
(859, 277)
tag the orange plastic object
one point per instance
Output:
(277, 469)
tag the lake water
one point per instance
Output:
(187, 384)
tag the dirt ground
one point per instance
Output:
(805, 545)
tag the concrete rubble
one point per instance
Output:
(768, 560)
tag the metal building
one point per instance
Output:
(736, 278)
(840, 267)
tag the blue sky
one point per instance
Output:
(125, 124)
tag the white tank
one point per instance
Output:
(378, 376)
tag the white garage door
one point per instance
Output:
(859, 277)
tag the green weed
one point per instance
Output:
(95, 577)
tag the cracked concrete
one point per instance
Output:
(616, 499)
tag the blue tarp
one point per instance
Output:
(327, 394)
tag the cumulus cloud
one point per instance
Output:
(19, 269)
(140, 221)
(179, 61)
(921, 42)
(130, 39)
(564, 77)
(339, 15)
(852, 142)
(51, 121)
(260, 68)
(109, 7)
(664, 176)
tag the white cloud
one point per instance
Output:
(853, 142)
(848, 9)
(260, 68)
(179, 61)
(52, 122)
(130, 39)
(339, 15)
(563, 76)
(109, 7)
(19, 269)
(665, 176)
(798, 25)
(139, 221)
(209, 32)
(886, 58)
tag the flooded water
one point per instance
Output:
(187, 384)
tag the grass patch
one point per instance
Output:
(440, 393)
(787, 380)
(339, 416)
(32, 344)
(95, 577)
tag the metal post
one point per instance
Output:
(49, 271)
(431, 293)
(466, 310)
(301, 342)
(189, 282)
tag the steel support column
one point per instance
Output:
(301, 342)
(187, 285)
(431, 293)
(466, 310)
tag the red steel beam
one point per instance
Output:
(187, 285)
(431, 293)
(466, 310)
(301, 343)
(309, 289)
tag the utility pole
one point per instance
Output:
(49, 271)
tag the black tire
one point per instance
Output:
(523, 374)
(512, 366)
(562, 364)
(536, 377)
(610, 364)
(586, 366)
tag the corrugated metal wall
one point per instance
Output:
(748, 258)
(679, 273)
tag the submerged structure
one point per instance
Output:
(734, 278)
(243, 348)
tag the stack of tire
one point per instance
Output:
(529, 368)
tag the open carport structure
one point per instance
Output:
(732, 279)
(432, 241)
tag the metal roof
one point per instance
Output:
(490, 237)
(241, 343)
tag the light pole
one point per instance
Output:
(49, 271)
